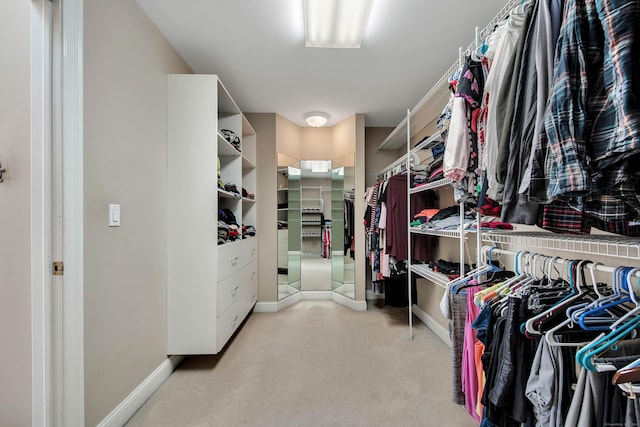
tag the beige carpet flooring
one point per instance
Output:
(315, 363)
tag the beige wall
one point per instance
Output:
(126, 61)
(317, 143)
(15, 205)
(265, 127)
(288, 138)
(307, 143)
(376, 161)
(344, 138)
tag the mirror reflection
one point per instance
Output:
(288, 226)
(342, 218)
(315, 226)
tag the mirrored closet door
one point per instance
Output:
(288, 194)
(315, 226)
(342, 219)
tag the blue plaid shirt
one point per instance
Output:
(592, 120)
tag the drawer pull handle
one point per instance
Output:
(253, 252)
(253, 275)
(233, 260)
(235, 319)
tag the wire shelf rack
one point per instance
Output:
(399, 133)
(455, 234)
(605, 245)
(430, 186)
(425, 272)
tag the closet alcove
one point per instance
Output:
(572, 302)
(293, 231)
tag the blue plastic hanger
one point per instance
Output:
(597, 317)
(620, 329)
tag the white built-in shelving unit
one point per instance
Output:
(211, 287)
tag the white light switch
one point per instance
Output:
(114, 215)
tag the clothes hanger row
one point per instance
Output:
(593, 307)
(472, 275)
(479, 47)
(591, 316)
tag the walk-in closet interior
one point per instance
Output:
(463, 175)
(521, 165)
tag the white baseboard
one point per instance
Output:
(348, 302)
(316, 295)
(266, 307)
(274, 307)
(125, 410)
(289, 301)
(440, 331)
(345, 288)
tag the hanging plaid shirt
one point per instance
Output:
(621, 72)
(565, 169)
(592, 120)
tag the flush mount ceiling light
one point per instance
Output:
(316, 119)
(335, 23)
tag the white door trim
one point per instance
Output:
(41, 132)
(56, 176)
(72, 205)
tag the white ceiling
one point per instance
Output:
(257, 49)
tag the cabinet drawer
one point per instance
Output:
(230, 257)
(230, 290)
(250, 293)
(228, 322)
(250, 249)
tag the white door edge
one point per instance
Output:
(41, 339)
(72, 205)
(56, 141)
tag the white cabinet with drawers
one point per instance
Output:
(211, 287)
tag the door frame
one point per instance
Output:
(57, 212)
(41, 144)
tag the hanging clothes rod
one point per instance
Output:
(397, 163)
(488, 251)
(415, 159)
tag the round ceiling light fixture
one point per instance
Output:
(316, 119)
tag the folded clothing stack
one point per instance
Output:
(451, 269)
(232, 188)
(227, 232)
(231, 138)
(228, 228)
(248, 230)
(248, 195)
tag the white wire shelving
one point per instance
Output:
(454, 234)
(403, 132)
(424, 271)
(414, 158)
(605, 245)
(431, 186)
